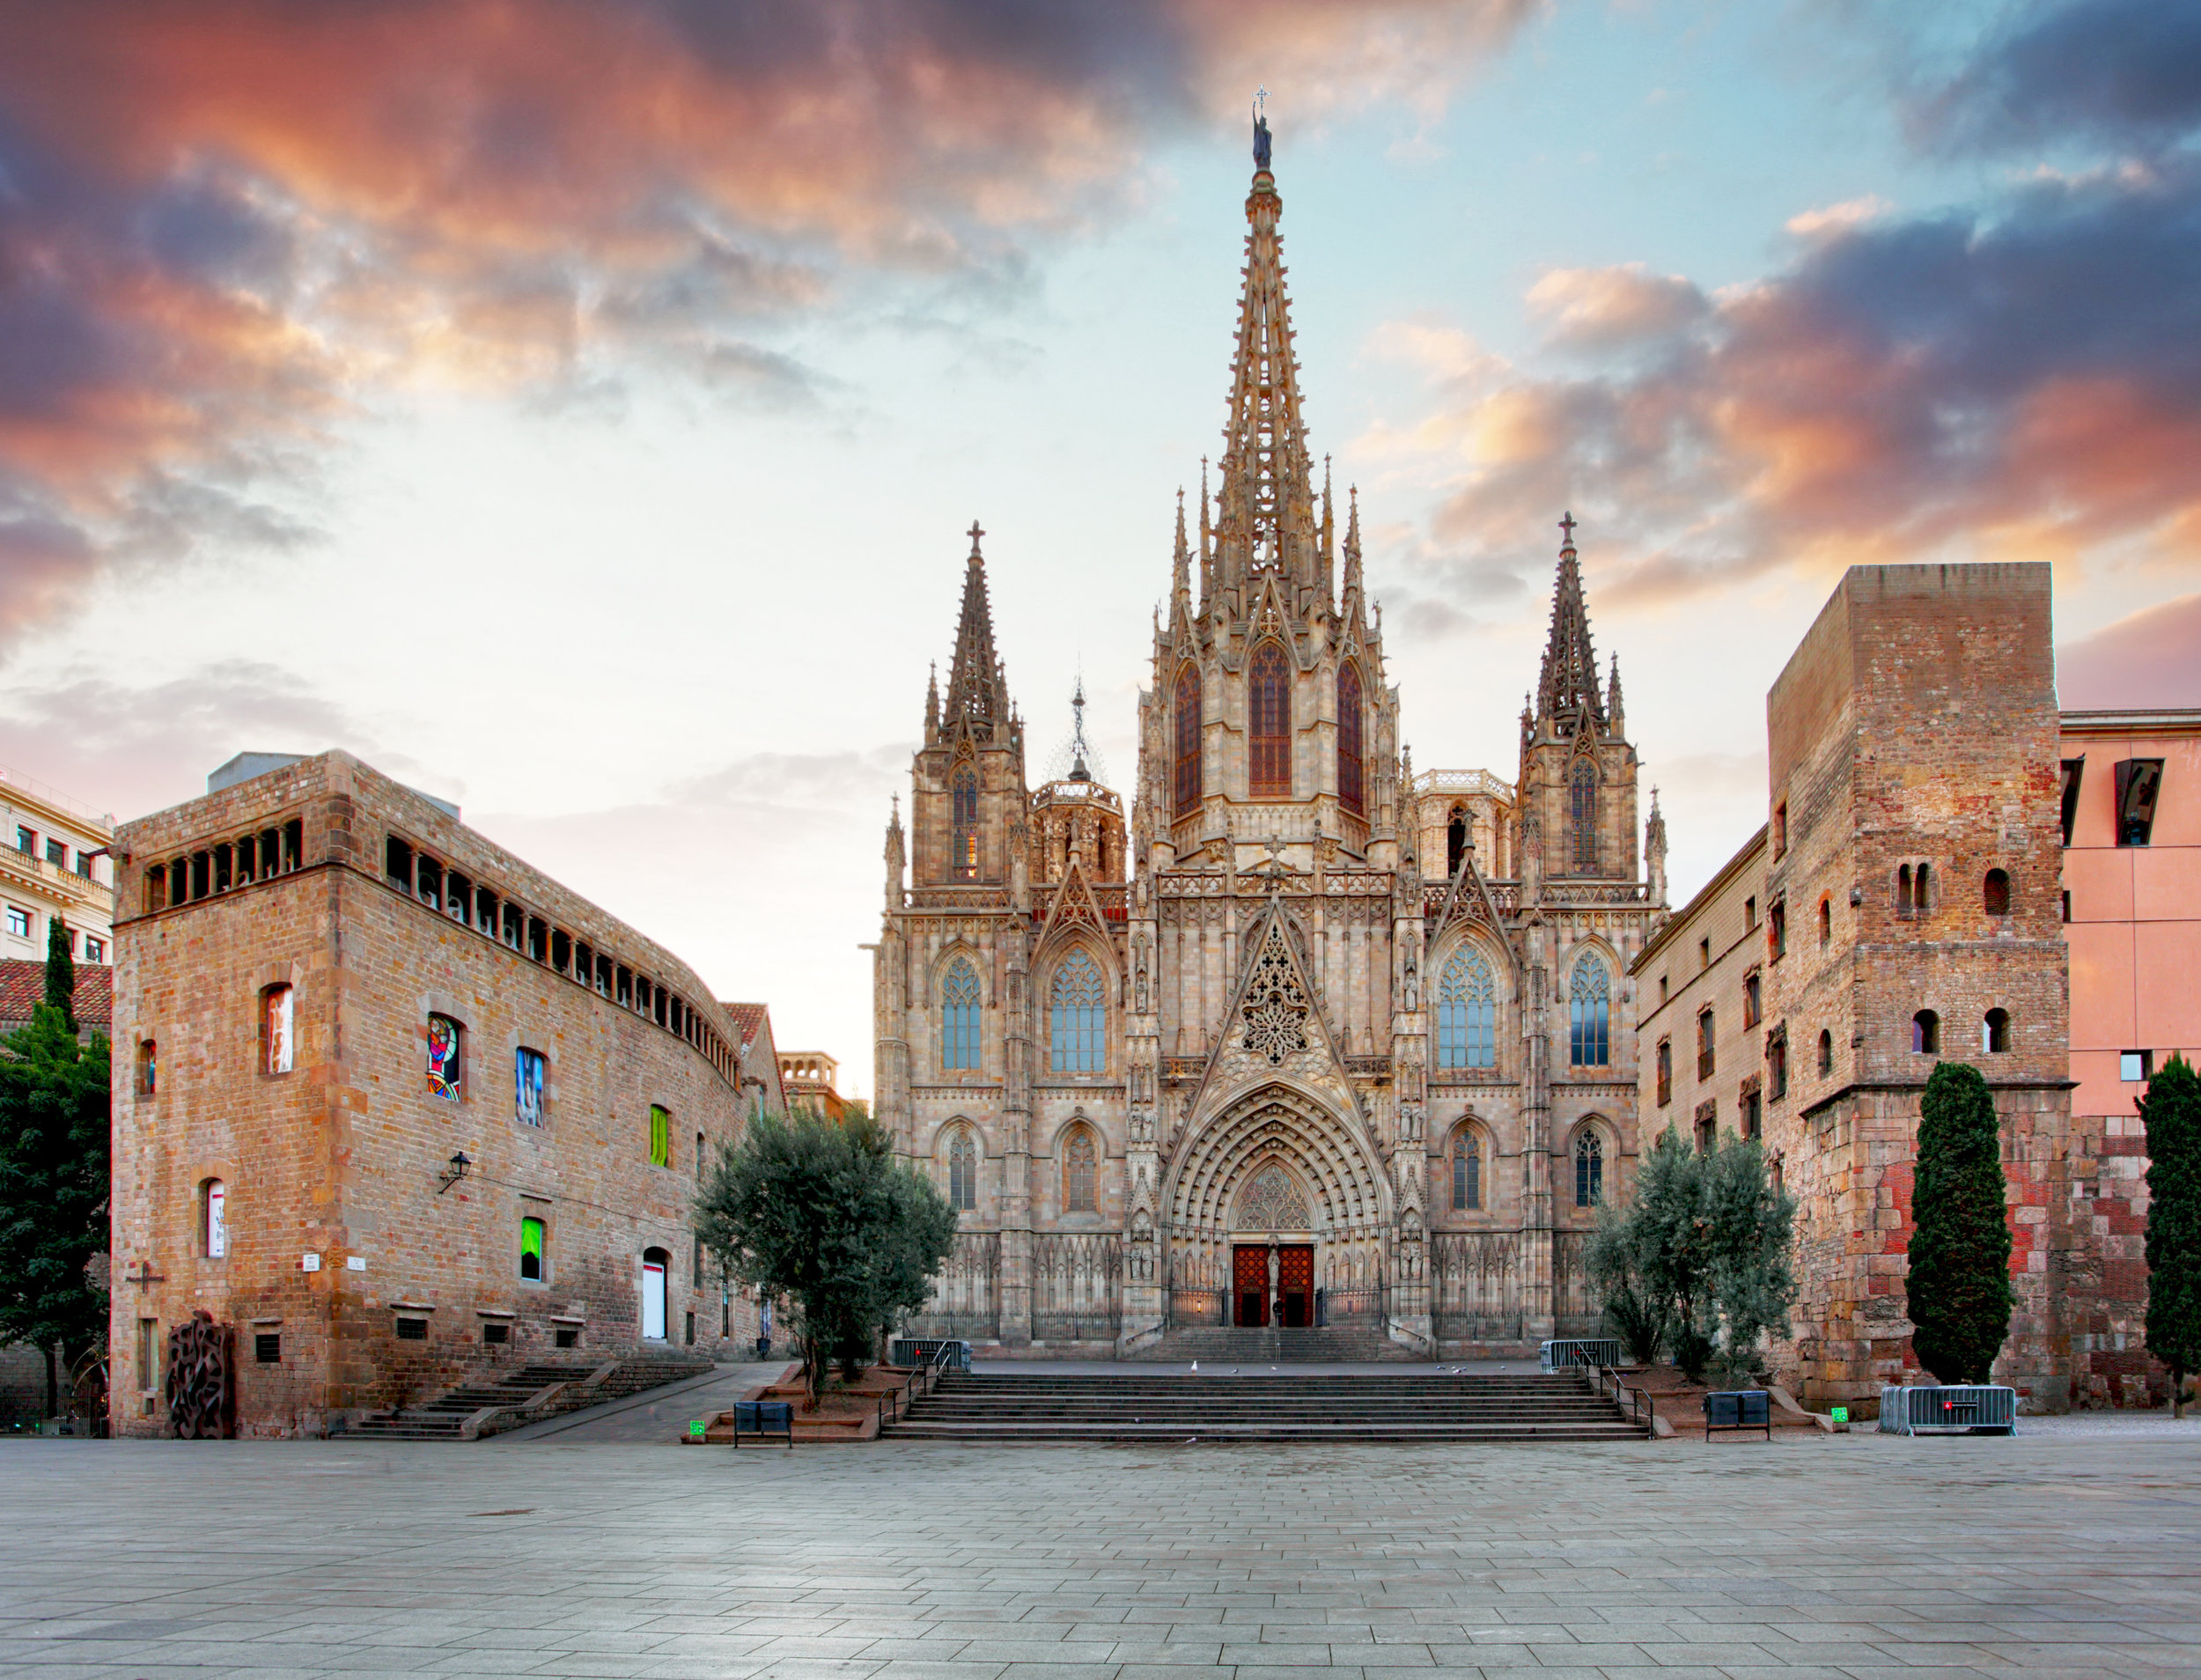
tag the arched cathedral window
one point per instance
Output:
(1467, 1012)
(1078, 1176)
(1590, 998)
(1589, 1170)
(964, 795)
(962, 1172)
(1456, 841)
(1187, 708)
(1582, 817)
(958, 1016)
(1349, 781)
(1080, 1016)
(1467, 1170)
(1268, 696)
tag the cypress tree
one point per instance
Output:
(1959, 1287)
(61, 971)
(2171, 1111)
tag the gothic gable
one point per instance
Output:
(1276, 1027)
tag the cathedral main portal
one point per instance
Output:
(1272, 1283)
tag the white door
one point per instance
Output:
(652, 1300)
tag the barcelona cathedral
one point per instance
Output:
(1286, 1034)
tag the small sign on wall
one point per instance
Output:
(355, 1262)
(309, 1263)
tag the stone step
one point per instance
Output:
(442, 1418)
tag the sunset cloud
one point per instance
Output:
(225, 228)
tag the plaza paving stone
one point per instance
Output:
(2059, 1552)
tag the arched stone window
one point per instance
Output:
(958, 1016)
(1589, 1170)
(1269, 708)
(964, 798)
(1467, 1012)
(1826, 922)
(214, 1220)
(1188, 765)
(1589, 998)
(963, 1171)
(1467, 1170)
(1925, 1033)
(1994, 1032)
(278, 1037)
(1582, 817)
(1350, 779)
(1080, 1016)
(1455, 840)
(1826, 1052)
(1995, 893)
(1078, 1173)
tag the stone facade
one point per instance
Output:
(328, 990)
(1299, 999)
(1703, 979)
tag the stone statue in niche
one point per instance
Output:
(1413, 982)
(1142, 974)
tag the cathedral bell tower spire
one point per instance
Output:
(1269, 516)
(977, 694)
(1567, 692)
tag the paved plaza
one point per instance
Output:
(2070, 1550)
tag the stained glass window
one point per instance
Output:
(1349, 766)
(1582, 817)
(1268, 694)
(1466, 1171)
(1078, 1192)
(1589, 1170)
(962, 1172)
(1467, 1012)
(443, 1057)
(276, 1039)
(660, 1136)
(1080, 1011)
(1590, 999)
(958, 1016)
(1187, 708)
(964, 796)
(527, 1081)
(530, 1250)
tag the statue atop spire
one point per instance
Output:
(1568, 691)
(977, 692)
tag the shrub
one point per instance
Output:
(2171, 1111)
(1959, 1283)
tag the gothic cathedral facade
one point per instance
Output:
(1303, 1039)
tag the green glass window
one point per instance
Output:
(530, 1250)
(660, 1136)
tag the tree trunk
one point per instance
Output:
(53, 1382)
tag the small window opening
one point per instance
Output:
(699, 1178)
(223, 877)
(1707, 1126)
(428, 880)
(202, 875)
(247, 860)
(1780, 828)
(496, 1332)
(2067, 903)
(1777, 928)
(1995, 893)
(2134, 1066)
(626, 987)
(512, 919)
(661, 1136)
(270, 854)
(538, 939)
(1826, 1052)
(147, 1068)
(2139, 782)
(293, 845)
(457, 896)
(1925, 1033)
(605, 968)
(1666, 1072)
(1753, 1112)
(412, 1329)
(561, 951)
(530, 1074)
(267, 1347)
(2073, 770)
(446, 1064)
(568, 1336)
(1925, 898)
(1777, 1064)
(1903, 890)
(156, 888)
(1994, 1033)
(1751, 999)
(531, 1270)
(1706, 1037)
(278, 1033)
(1456, 841)
(214, 1220)
(1826, 922)
(485, 911)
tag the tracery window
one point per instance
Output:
(1582, 817)
(958, 1016)
(1349, 780)
(962, 1172)
(1467, 1012)
(1077, 1174)
(1268, 695)
(1188, 765)
(964, 798)
(1467, 1170)
(1080, 1016)
(1589, 1170)
(1590, 1000)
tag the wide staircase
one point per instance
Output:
(1288, 1405)
(1338, 1344)
(511, 1390)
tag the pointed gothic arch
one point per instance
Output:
(1582, 816)
(963, 822)
(1587, 1153)
(1590, 1011)
(1080, 1156)
(958, 1149)
(1352, 771)
(1457, 833)
(1187, 725)
(1467, 1010)
(1077, 1013)
(1269, 723)
(1465, 1178)
(960, 1007)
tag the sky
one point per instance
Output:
(576, 408)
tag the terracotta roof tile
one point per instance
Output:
(23, 988)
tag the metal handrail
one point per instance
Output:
(1636, 1401)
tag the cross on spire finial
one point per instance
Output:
(1567, 525)
(976, 531)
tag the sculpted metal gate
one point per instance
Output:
(201, 1388)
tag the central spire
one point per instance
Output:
(976, 693)
(1268, 510)
(1568, 691)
